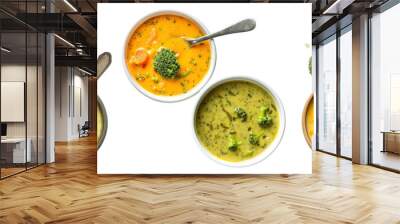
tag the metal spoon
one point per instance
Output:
(103, 62)
(242, 26)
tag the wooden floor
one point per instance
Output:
(5, 172)
(9, 171)
(387, 159)
(69, 191)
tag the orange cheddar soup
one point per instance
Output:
(167, 32)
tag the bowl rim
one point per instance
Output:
(265, 153)
(195, 89)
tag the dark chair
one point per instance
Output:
(84, 130)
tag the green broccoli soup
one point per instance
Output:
(237, 120)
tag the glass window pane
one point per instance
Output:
(31, 100)
(22, 89)
(346, 94)
(13, 86)
(327, 96)
(385, 87)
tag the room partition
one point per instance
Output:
(22, 90)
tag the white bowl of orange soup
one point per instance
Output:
(167, 30)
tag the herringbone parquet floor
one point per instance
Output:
(69, 191)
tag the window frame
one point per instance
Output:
(334, 37)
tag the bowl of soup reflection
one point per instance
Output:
(308, 120)
(102, 122)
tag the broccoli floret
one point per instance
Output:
(166, 63)
(242, 115)
(264, 119)
(254, 139)
(233, 144)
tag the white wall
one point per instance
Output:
(62, 81)
(70, 83)
(33, 127)
(12, 73)
(80, 110)
(12, 101)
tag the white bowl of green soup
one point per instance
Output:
(239, 121)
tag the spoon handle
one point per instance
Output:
(242, 26)
(103, 61)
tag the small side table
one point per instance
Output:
(18, 154)
(391, 141)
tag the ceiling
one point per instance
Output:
(75, 25)
(76, 22)
(332, 15)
